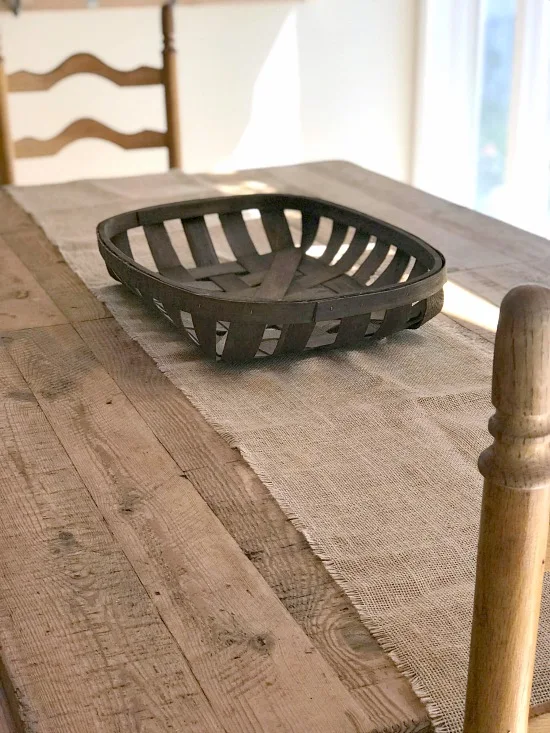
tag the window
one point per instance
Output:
(484, 80)
(497, 57)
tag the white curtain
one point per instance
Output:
(454, 106)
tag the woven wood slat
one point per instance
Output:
(200, 241)
(294, 337)
(344, 285)
(335, 241)
(243, 341)
(310, 227)
(325, 274)
(280, 274)
(394, 320)
(164, 254)
(205, 327)
(229, 282)
(122, 241)
(257, 265)
(237, 235)
(212, 271)
(355, 250)
(373, 262)
(352, 329)
(316, 273)
(416, 271)
(277, 229)
(394, 270)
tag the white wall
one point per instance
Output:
(260, 84)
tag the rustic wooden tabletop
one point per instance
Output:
(149, 580)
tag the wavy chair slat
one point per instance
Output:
(83, 63)
(30, 147)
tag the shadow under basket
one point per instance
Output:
(267, 274)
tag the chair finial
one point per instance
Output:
(514, 519)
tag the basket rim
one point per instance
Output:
(258, 309)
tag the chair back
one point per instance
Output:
(83, 63)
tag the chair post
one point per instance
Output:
(170, 76)
(514, 519)
(7, 154)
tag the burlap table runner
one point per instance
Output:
(371, 452)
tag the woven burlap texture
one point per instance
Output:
(370, 452)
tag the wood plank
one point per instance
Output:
(473, 226)
(252, 517)
(540, 724)
(12, 215)
(50, 270)
(284, 558)
(23, 302)
(76, 625)
(175, 422)
(492, 283)
(256, 666)
(8, 722)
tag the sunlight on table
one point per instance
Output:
(465, 305)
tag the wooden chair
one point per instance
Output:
(82, 63)
(514, 519)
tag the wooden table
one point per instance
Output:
(27, 5)
(149, 581)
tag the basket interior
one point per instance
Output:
(329, 272)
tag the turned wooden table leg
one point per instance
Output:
(514, 519)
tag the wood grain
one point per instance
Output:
(65, 289)
(257, 668)
(76, 625)
(12, 216)
(82, 63)
(23, 302)
(449, 220)
(540, 724)
(8, 723)
(514, 519)
(250, 514)
(327, 618)
(190, 440)
(30, 147)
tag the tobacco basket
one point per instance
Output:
(266, 274)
